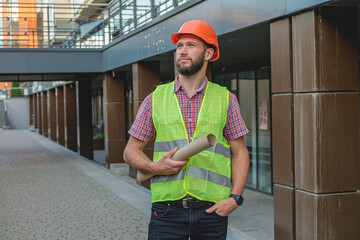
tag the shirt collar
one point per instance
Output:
(177, 85)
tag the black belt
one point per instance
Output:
(188, 202)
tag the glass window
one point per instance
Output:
(247, 100)
(253, 91)
(264, 146)
(228, 81)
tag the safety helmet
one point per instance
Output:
(202, 30)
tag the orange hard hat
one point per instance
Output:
(202, 30)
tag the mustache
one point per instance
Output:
(183, 58)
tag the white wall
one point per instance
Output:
(18, 112)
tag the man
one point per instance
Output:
(191, 198)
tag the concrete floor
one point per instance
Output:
(49, 192)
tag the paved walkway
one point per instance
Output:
(49, 192)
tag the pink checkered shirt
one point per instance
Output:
(143, 126)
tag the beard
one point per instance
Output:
(194, 67)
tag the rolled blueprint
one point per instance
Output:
(186, 152)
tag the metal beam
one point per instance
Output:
(32, 61)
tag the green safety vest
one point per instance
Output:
(207, 175)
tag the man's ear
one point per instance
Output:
(209, 53)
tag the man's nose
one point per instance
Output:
(183, 50)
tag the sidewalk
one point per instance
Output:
(49, 192)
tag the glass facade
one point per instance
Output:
(74, 23)
(252, 87)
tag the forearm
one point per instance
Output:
(134, 156)
(240, 168)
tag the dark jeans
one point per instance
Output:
(169, 222)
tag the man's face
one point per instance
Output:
(190, 55)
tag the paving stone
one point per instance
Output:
(44, 197)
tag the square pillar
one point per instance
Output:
(114, 117)
(282, 129)
(146, 76)
(70, 117)
(31, 109)
(52, 115)
(45, 117)
(60, 129)
(316, 135)
(85, 119)
(40, 113)
(36, 111)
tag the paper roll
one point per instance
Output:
(186, 152)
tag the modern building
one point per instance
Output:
(294, 66)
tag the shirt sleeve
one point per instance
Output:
(143, 126)
(235, 126)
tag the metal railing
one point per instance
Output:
(34, 24)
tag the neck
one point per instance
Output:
(191, 83)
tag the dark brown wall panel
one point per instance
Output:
(115, 124)
(281, 62)
(31, 109)
(284, 212)
(52, 115)
(305, 141)
(40, 113)
(113, 89)
(325, 50)
(336, 49)
(114, 117)
(282, 139)
(303, 29)
(327, 216)
(45, 114)
(70, 117)
(36, 110)
(60, 131)
(347, 45)
(114, 149)
(146, 76)
(327, 142)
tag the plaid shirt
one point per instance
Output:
(143, 126)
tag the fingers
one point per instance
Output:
(171, 153)
(212, 209)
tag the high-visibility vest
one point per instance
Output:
(207, 175)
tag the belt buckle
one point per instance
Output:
(184, 203)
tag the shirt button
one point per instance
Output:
(189, 119)
(189, 101)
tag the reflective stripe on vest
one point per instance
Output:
(197, 173)
(168, 146)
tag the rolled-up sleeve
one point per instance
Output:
(235, 126)
(143, 126)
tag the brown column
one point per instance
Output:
(60, 130)
(31, 109)
(316, 125)
(282, 128)
(40, 113)
(146, 76)
(45, 116)
(85, 119)
(114, 118)
(35, 107)
(52, 115)
(70, 117)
